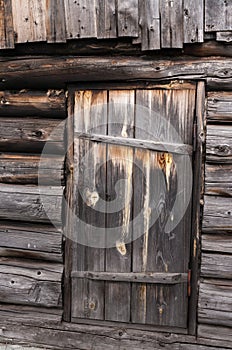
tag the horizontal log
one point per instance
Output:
(137, 143)
(217, 214)
(218, 179)
(30, 283)
(30, 135)
(31, 169)
(219, 144)
(31, 241)
(38, 315)
(31, 204)
(217, 243)
(157, 278)
(55, 72)
(215, 302)
(215, 333)
(219, 107)
(24, 103)
(216, 265)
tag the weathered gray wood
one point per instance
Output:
(224, 36)
(149, 24)
(32, 238)
(128, 18)
(158, 278)
(31, 169)
(81, 19)
(171, 13)
(215, 333)
(106, 19)
(219, 107)
(218, 15)
(216, 71)
(55, 21)
(217, 243)
(32, 204)
(216, 265)
(139, 143)
(30, 283)
(29, 20)
(30, 135)
(217, 214)
(215, 302)
(25, 103)
(193, 21)
(219, 144)
(6, 25)
(218, 179)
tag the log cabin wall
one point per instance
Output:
(31, 249)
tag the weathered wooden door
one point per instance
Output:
(131, 200)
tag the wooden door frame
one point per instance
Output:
(197, 197)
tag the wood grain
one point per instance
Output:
(193, 21)
(216, 265)
(6, 25)
(171, 13)
(219, 144)
(217, 15)
(219, 107)
(218, 179)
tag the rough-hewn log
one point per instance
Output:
(218, 179)
(215, 302)
(31, 241)
(30, 204)
(30, 283)
(30, 134)
(219, 107)
(217, 243)
(23, 103)
(217, 214)
(215, 334)
(219, 144)
(57, 71)
(31, 169)
(216, 265)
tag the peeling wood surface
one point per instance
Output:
(219, 107)
(218, 179)
(217, 214)
(216, 265)
(219, 144)
(217, 243)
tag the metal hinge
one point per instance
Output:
(189, 282)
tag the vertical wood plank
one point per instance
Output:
(193, 21)
(218, 15)
(150, 24)
(6, 25)
(171, 23)
(81, 18)
(29, 20)
(55, 21)
(128, 18)
(106, 19)
(119, 178)
(90, 112)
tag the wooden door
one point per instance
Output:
(131, 191)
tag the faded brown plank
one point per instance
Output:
(219, 144)
(216, 265)
(149, 24)
(118, 184)
(25, 103)
(217, 214)
(90, 113)
(106, 19)
(30, 283)
(29, 20)
(55, 21)
(31, 134)
(217, 243)
(171, 13)
(218, 15)
(31, 203)
(218, 179)
(215, 302)
(6, 25)
(31, 169)
(193, 21)
(219, 107)
(128, 18)
(81, 19)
